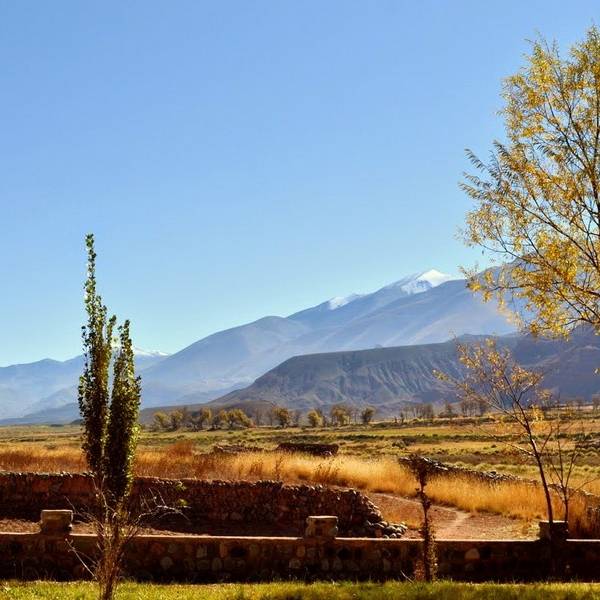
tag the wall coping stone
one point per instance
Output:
(56, 520)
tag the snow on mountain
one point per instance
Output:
(148, 353)
(420, 282)
(411, 284)
(340, 301)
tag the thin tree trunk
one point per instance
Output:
(540, 465)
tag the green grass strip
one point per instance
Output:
(298, 591)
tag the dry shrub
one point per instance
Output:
(35, 458)
(181, 449)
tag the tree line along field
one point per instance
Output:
(367, 459)
(480, 443)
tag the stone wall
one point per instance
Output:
(208, 558)
(445, 469)
(306, 448)
(214, 507)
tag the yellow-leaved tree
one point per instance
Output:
(537, 199)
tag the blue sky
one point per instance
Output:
(239, 159)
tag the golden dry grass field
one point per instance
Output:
(368, 460)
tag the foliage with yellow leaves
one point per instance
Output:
(538, 198)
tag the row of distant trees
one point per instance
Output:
(337, 416)
(468, 407)
(275, 416)
(200, 419)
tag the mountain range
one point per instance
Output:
(48, 384)
(422, 308)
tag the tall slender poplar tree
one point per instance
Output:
(109, 412)
(110, 408)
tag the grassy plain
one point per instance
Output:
(367, 460)
(299, 591)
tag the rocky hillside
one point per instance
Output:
(389, 377)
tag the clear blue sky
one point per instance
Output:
(239, 159)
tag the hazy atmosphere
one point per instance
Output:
(301, 299)
(237, 160)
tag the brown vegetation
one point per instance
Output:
(517, 499)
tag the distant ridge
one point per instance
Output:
(389, 378)
(421, 308)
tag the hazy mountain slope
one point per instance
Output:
(9, 401)
(341, 311)
(379, 376)
(389, 377)
(390, 316)
(60, 398)
(425, 307)
(385, 377)
(434, 316)
(62, 407)
(569, 367)
(66, 413)
(47, 383)
(211, 362)
(28, 383)
(448, 310)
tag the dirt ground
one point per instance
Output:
(452, 523)
(23, 526)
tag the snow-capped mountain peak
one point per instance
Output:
(420, 282)
(435, 277)
(340, 301)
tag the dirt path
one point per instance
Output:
(452, 523)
